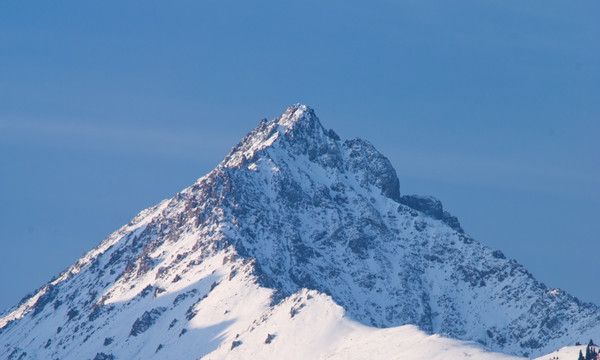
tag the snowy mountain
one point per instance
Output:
(301, 244)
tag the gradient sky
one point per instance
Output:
(108, 107)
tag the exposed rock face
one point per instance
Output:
(290, 207)
(431, 206)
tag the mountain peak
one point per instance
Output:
(297, 113)
(297, 129)
(301, 121)
(292, 207)
(300, 116)
(298, 134)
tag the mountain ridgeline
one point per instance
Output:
(291, 212)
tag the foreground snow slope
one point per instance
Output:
(565, 353)
(291, 207)
(308, 325)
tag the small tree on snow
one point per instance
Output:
(590, 351)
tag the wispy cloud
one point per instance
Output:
(561, 179)
(111, 137)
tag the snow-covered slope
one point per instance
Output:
(565, 353)
(308, 325)
(292, 207)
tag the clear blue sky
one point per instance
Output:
(108, 107)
